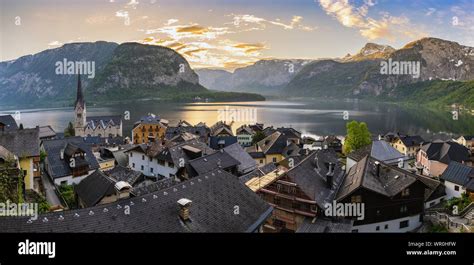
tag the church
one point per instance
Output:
(102, 126)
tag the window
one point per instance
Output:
(276, 200)
(355, 231)
(142, 167)
(356, 199)
(261, 161)
(151, 169)
(404, 224)
(377, 228)
(403, 209)
(456, 187)
(131, 154)
(151, 159)
(274, 160)
(133, 165)
(386, 227)
(406, 192)
(64, 182)
(143, 157)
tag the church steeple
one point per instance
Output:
(79, 96)
(80, 110)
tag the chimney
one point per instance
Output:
(184, 205)
(377, 169)
(329, 176)
(61, 154)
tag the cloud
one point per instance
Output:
(295, 23)
(430, 11)
(387, 27)
(194, 29)
(171, 21)
(55, 43)
(133, 4)
(250, 48)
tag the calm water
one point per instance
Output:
(311, 118)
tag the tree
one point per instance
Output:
(69, 131)
(358, 136)
(257, 137)
(10, 182)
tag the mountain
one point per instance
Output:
(361, 75)
(122, 72)
(140, 71)
(265, 76)
(371, 51)
(33, 78)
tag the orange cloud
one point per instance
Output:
(195, 29)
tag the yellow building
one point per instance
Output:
(408, 145)
(272, 149)
(25, 145)
(148, 129)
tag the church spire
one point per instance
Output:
(79, 96)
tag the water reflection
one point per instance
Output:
(310, 117)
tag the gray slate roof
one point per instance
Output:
(383, 151)
(321, 225)
(258, 172)
(155, 186)
(219, 159)
(459, 174)
(120, 173)
(94, 187)
(23, 143)
(9, 122)
(380, 150)
(58, 167)
(104, 121)
(413, 140)
(213, 195)
(310, 176)
(247, 163)
(46, 132)
(391, 181)
(446, 152)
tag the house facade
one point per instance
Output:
(393, 198)
(467, 141)
(149, 128)
(25, 145)
(434, 157)
(245, 135)
(458, 179)
(408, 145)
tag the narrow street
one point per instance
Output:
(49, 190)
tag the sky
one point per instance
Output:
(228, 34)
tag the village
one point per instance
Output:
(186, 177)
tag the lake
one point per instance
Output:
(316, 117)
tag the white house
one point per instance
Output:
(458, 179)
